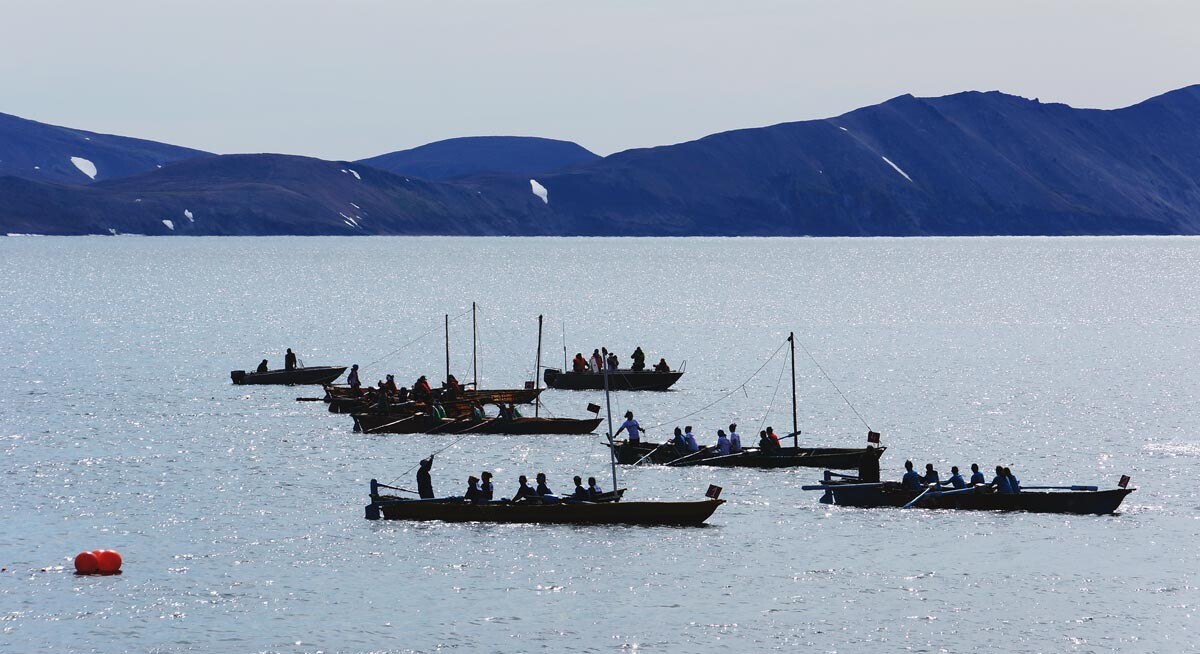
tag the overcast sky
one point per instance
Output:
(348, 79)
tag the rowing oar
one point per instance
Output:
(390, 424)
(841, 486)
(723, 456)
(310, 399)
(915, 499)
(1074, 488)
(684, 458)
(657, 448)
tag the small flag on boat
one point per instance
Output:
(713, 491)
(873, 437)
(594, 408)
(1124, 483)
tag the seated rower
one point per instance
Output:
(580, 493)
(911, 479)
(662, 366)
(722, 442)
(525, 492)
(774, 438)
(977, 478)
(402, 394)
(632, 427)
(765, 443)
(513, 412)
(679, 441)
(1012, 481)
(594, 491)
(451, 389)
(485, 487)
(956, 480)
(579, 364)
(1001, 482)
(421, 391)
(473, 494)
(477, 412)
(542, 489)
(390, 384)
(690, 440)
(735, 440)
(931, 475)
(262, 367)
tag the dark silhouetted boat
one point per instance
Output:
(423, 423)
(1065, 499)
(619, 380)
(309, 375)
(343, 399)
(836, 458)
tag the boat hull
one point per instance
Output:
(691, 513)
(293, 377)
(370, 423)
(620, 380)
(342, 399)
(834, 458)
(1098, 502)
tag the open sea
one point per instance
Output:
(239, 511)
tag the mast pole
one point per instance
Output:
(795, 429)
(447, 348)
(612, 445)
(537, 368)
(564, 334)
(474, 349)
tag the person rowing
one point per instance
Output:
(1012, 481)
(773, 437)
(594, 491)
(735, 440)
(580, 493)
(956, 480)
(679, 441)
(525, 492)
(722, 442)
(931, 475)
(767, 444)
(632, 427)
(262, 367)
(1001, 482)
(485, 486)
(542, 489)
(690, 440)
(977, 478)
(424, 480)
(911, 479)
(473, 494)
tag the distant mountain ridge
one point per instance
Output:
(48, 153)
(965, 164)
(474, 155)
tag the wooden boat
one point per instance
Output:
(1067, 499)
(309, 375)
(569, 512)
(836, 458)
(619, 380)
(343, 399)
(422, 423)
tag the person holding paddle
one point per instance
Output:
(424, 480)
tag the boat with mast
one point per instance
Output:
(684, 513)
(671, 454)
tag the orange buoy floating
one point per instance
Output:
(105, 562)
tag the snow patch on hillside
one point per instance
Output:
(889, 162)
(540, 191)
(188, 214)
(170, 224)
(86, 167)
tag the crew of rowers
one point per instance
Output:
(1003, 482)
(602, 359)
(480, 489)
(685, 441)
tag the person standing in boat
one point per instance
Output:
(594, 491)
(735, 440)
(614, 363)
(1001, 482)
(525, 492)
(977, 478)
(911, 479)
(579, 364)
(662, 366)
(956, 480)
(262, 367)
(868, 466)
(722, 442)
(632, 427)
(639, 359)
(424, 480)
(689, 440)
(597, 362)
(352, 378)
(289, 360)
(485, 488)
(931, 475)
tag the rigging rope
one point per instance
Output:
(771, 404)
(423, 335)
(739, 387)
(835, 386)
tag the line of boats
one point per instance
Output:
(461, 412)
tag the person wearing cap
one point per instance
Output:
(735, 439)
(632, 427)
(352, 378)
(289, 360)
(485, 488)
(424, 481)
(722, 442)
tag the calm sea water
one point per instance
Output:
(239, 511)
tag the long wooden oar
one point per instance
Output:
(822, 487)
(310, 399)
(648, 454)
(915, 499)
(1074, 488)
(684, 458)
